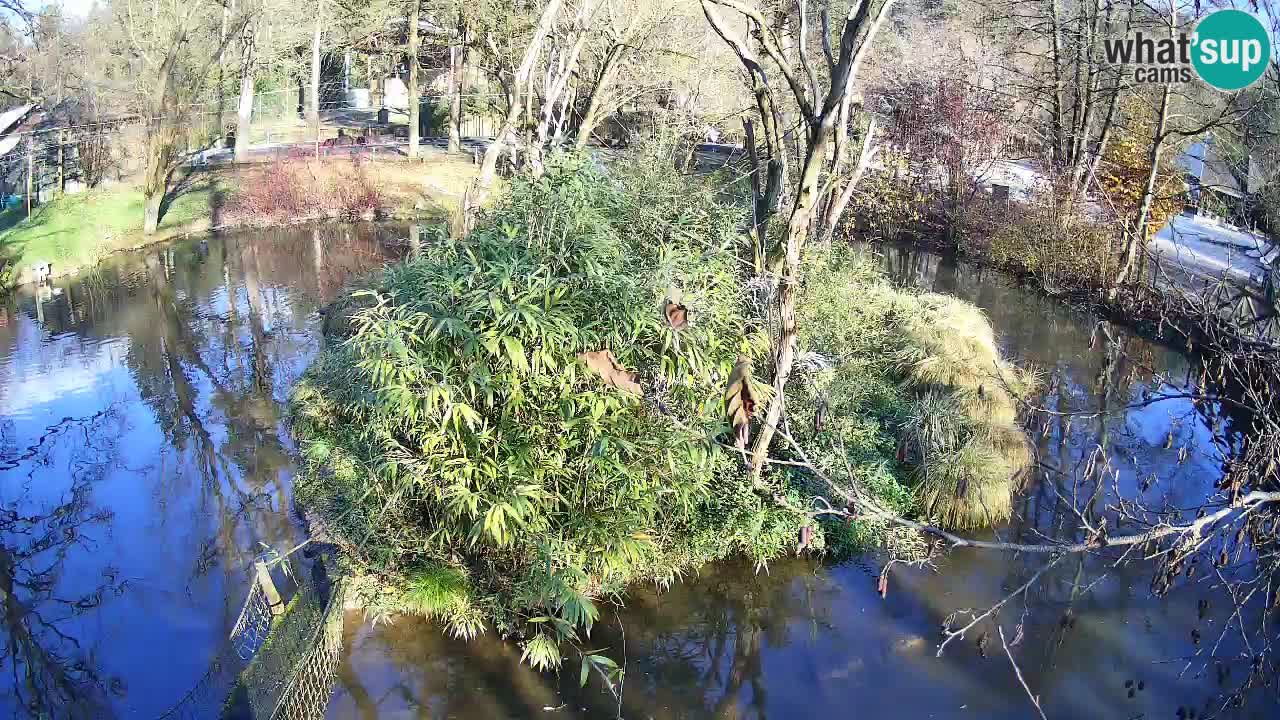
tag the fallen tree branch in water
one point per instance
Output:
(1098, 539)
(1016, 671)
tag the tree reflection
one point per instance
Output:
(708, 652)
(209, 335)
(54, 674)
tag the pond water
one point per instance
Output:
(143, 464)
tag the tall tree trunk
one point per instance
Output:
(758, 249)
(222, 36)
(1080, 140)
(457, 66)
(244, 111)
(1108, 121)
(489, 169)
(244, 114)
(865, 153)
(797, 234)
(604, 81)
(558, 76)
(819, 121)
(1095, 158)
(1135, 242)
(415, 104)
(313, 112)
(566, 109)
(161, 139)
(766, 201)
(1077, 88)
(527, 118)
(1055, 29)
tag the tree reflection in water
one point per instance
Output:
(697, 650)
(192, 347)
(54, 673)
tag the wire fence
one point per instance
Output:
(274, 667)
(307, 691)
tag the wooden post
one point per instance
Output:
(269, 588)
(31, 164)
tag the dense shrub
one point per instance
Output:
(509, 427)
(286, 190)
(908, 391)
(488, 462)
(1057, 244)
(889, 203)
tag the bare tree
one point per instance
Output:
(516, 86)
(174, 47)
(819, 112)
(629, 31)
(560, 67)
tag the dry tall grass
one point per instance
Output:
(927, 366)
(962, 432)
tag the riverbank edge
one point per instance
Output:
(1155, 317)
(404, 210)
(200, 229)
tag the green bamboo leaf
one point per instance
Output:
(515, 351)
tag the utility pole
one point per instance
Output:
(62, 164)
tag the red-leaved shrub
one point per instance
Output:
(292, 189)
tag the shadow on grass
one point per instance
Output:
(195, 182)
(187, 179)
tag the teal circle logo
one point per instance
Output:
(1231, 49)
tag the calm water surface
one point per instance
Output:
(143, 464)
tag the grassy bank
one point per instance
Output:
(73, 232)
(76, 231)
(512, 427)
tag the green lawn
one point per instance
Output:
(75, 231)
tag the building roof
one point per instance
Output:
(10, 118)
(1206, 165)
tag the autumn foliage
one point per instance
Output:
(1126, 164)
